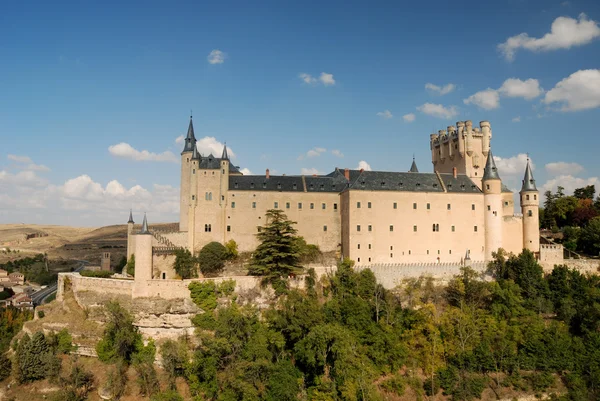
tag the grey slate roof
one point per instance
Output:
(506, 189)
(144, 230)
(214, 163)
(130, 217)
(190, 139)
(413, 167)
(528, 181)
(491, 171)
(412, 182)
(286, 183)
(224, 155)
(195, 154)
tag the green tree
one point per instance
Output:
(131, 265)
(143, 363)
(34, 358)
(5, 367)
(586, 192)
(232, 249)
(121, 339)
(277, 255)
(212, 258)
(122, 263)
(169, 395)
(174, 357)
(589, 239)
(77, 384)
(185, 265)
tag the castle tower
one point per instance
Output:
(130, 244)
(143, 254)
(530, 209)
(105, 261)
(223, 190)
(193, 198)
(492, 192)
(184, 194)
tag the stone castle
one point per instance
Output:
(371, 217)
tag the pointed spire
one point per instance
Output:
(491, 171)
(413, 167)
(528, 181)
(224, 156)
(130, 217)
(195, 154)
(144, 226)
(190, 139)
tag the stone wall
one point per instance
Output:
(105, 285)
(178, 239)
(550, 255)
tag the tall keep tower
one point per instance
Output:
(531, 214)
(186, 172)
(492, 192)
(462, 147)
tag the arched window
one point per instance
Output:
(210, 196)
(206, 228)
(529, 213)
(209, 228)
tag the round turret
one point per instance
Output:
(530, 208)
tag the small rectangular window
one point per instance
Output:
(395, 205)
(324, 206)
(527, 197)
(428, 252)
(358, 227)
(259, 229)
(358, 259)
(369, 246)
(228, 228)
(193, 197)
(358, 246)
(487, 186)
(312, 205)
(253, 205)
(391, 255)
(287, 205)
(473, 206)
(233, 205)
(335, 206)
(391, 247)
(358, 205)
(414, 205)
(194, 171)
(475, 228)
(299, 205)
(453, 229)
(275, 205)
(415, 228)
(222, 197)
(324, 228)
(368, 205)
(534, 197)
(391, 228)
(449, 206)
(505, 203)
(369, 228)
(428, 206)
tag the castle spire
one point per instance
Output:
(195, 154)
(491, 171)
(528, 181)
(130, 217)
(190, 139)
(413, 167)
(224, 156)
(144, 226)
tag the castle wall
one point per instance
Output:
(551, 255)
(178, 239)
(163, 264)
(102, 285)
(403, 244)
(512, 234)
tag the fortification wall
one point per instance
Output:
(103, 285)
(178, 239)
(550, 255)
(163, 264)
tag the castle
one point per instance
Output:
(372, 217)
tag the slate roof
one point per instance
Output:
(214, 163)
(528, 181)
(190, 139)
(286, 183)
(490, 172)
(144, 229)
(413, 167)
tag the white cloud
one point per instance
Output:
(528, 89)
(563, 168)
(307, 78)
(579, 91)
(516, 119)
(310, 171)
(180, 140)
(314, 152)
(409, 118)
(209, 145)
(438, 110)
(385, 114)
(487, 99)
(216, 57)
(337, 153)
(20, 159)
(22, 179)
(565, 33)
(245, 171)
(327, 79)
(363, 165)
(440, 90)
(30, 165)
(514, 165)
(569, 183)
(126, 151)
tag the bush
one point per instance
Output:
(61, 342)
(5, 367)
(131, 265)
(35, 359)
(116, 381)
(96, 273)
(185, 265)
(77, 385)
(143, 362)
(173, 356)
(394, 384)
(212, 258)
(122, 263)
(232, 249)
(121, 339)
(170, 395)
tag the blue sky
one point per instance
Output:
(77, 78)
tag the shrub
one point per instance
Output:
(41, 314)
(35, 359)
(173, 356)
(185, 265)
(212, 258)
(122, 263)
(232, 249)
(394, 384)
(143, 362)
(5, 367)
(96, 273)
(61, 342)
(131, 265)
(170, 395)
(121, 339)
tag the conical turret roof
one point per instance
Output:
(195, 154)
(413, 167)
(491, 171)
(130, 217)
(190, 139)
(144, 229)
(528, 181)
(224, 156)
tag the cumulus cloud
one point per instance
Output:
(440, 90)
(314, 152)
(488, 99)
(516, 119)
(565, 33)
(569, 183)
(20, 159)
(337, 152)
(514, 165)
(327, 79)
(310, 171)
(209, 145)
(409, 118)
(563, 168)
(126, 151)
(180, 140)
(25, 178)
(307, 78)
(363, 165)
(385, 114)
(528, 89)
(216, 57)
(438, 110)
(579, 91)
(25, 163)
(245, 171)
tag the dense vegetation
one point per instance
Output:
(210, 260)
(33, 268)
(577, 217)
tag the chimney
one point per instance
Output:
(267, 173)
(347, 174)
(362, 169)
(314, 175)
(454, 173)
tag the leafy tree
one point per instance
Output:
(121, 339)
(5, 367)
(277, 255)
(143, 363)
(212, 258)
(169, 395)
(185, 265)
(77, 384)
(174, 358)
(586, 192)
(232, 249)
(34, 358)
(590, 237)
(131, 265)
(122, 263)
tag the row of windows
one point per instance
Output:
(395, 206)
(409, 252)
(288, 205)
(435, 227)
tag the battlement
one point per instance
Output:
(462, 128)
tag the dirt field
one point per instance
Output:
(63, 242)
